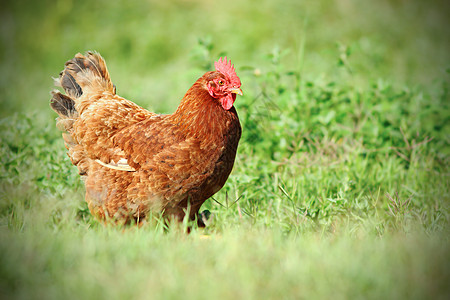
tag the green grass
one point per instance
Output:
(341, 183)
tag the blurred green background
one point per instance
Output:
(340, 188)
(152, 47)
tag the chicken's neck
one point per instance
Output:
(201, 115)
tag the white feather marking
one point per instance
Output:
(121, 165)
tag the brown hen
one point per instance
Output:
(134, 161)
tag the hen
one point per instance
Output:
(134, 161)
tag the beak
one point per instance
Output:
(236, 91)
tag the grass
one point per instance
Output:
(341, 184)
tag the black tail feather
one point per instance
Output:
(90, 61)
(69, 84)
(63, 105)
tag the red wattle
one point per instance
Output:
(227, 102)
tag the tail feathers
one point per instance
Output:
(85, 74)
(69, 84)
(64, 106)
(82, 77)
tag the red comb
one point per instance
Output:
(226, 68)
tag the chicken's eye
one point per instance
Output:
(220, 82)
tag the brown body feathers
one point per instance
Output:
(135, 161)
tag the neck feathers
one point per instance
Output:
(201, 115)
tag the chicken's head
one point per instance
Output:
(224, 84)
